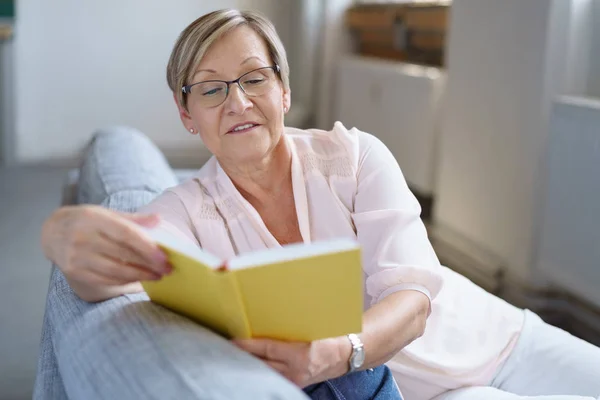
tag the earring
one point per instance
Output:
(191, 130)
(284, 109)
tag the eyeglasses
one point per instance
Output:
(214, 92)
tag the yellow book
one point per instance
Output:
(299, 292)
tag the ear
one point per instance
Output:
(184, 115)
(286, 100)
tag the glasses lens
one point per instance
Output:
(209, 94)
(259, 82)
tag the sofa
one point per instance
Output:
(128, 347)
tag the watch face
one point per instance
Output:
(358, 359)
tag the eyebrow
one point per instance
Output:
(212, 71)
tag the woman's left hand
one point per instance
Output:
(303, 363)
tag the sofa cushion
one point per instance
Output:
(122, 170)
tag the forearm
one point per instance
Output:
(97, 293)
(392, 324)
(388, 327)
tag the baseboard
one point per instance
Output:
(426, 202)
(467, 258)
(555, 305)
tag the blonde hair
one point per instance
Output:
(195, 40)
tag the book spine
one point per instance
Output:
(234, 309)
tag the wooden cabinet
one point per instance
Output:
(414, 32)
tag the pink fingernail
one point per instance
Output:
(168, 269)
(160, 256)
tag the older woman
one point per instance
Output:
(268, 185)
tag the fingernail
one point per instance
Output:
(148, 220)
(160, 256)
(156, 277)
(168, 269)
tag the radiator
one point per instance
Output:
(569, 248)
(398, 103)
(568, 251)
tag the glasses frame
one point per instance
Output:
(188, 88)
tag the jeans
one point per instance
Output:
(376, 384)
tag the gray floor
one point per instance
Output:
(27, 196)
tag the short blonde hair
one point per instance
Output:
(194, 41)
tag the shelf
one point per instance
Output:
(5, 32)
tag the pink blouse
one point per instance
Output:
(346, 183)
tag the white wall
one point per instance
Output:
(278, 11)
(569, 251)
(6, 101)
(580, 47)
(594, 75)
(304, 58)
(335, 43)
(506, 61)
(84, 65)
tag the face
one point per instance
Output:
(238, 52)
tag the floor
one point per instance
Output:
(27, 196)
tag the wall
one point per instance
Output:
(580, 47)
(6, 101)
(594, 82)
(84, 65)
(335, 43)
(505, 63)
(304, 59)
(569, 238)
(278, 11)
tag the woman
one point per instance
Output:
(268, 185)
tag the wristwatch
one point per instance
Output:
(357, 358)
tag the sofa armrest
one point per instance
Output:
(129, 347)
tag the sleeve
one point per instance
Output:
(174, 216)
(397, 254)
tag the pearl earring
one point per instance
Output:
(191, 130)
(284, 109)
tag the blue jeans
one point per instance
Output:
(376, 384)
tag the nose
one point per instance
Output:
(237, 101)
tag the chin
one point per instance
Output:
(252, 146)
(252, 152)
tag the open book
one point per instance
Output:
(300, 292)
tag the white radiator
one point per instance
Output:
(400, 104)
(569, 249)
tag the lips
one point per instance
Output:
(243, 127)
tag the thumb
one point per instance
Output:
(146, 220)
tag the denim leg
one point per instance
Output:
(376, 384)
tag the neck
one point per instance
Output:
(264, 179)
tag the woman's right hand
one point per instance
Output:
(100, 251)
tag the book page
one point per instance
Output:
(291, 252)
(174, 243)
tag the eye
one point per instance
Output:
(254, 81)
(211, 91)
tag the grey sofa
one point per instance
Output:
(128, 347)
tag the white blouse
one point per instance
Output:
(346, 183)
